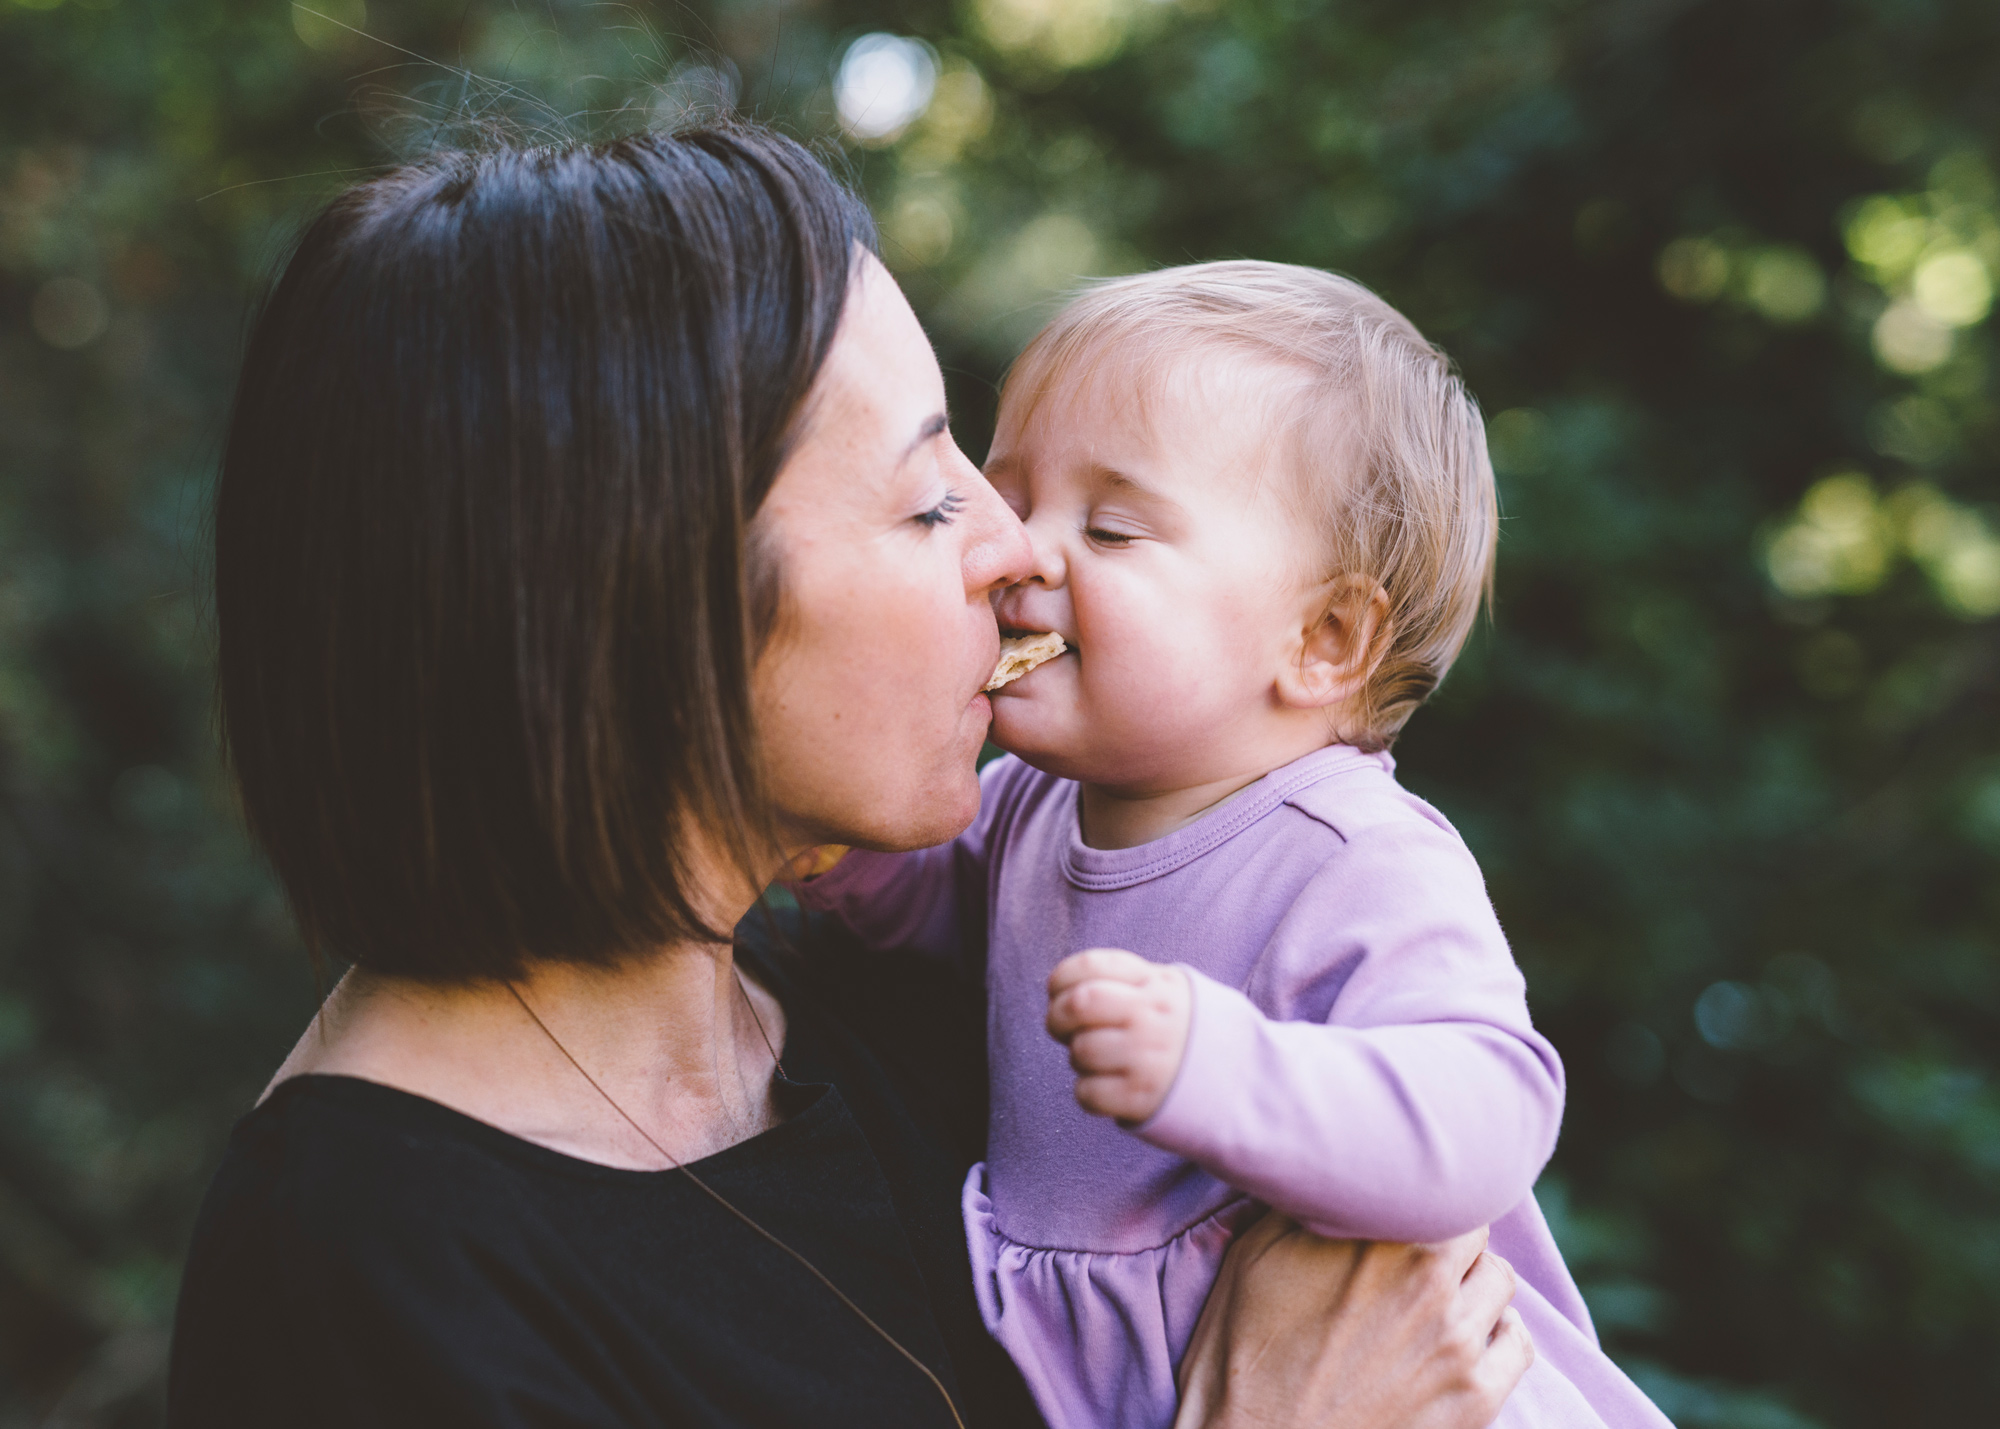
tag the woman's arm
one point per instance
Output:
(1302, 1331)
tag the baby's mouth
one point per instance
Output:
(1029, 632)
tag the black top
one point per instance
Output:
(368, 1257)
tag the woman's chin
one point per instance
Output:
(948, 814)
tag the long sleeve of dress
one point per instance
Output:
(931, 901)
(1424, 1105)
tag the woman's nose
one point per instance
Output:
(997, 552)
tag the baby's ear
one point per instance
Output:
(1342, 639)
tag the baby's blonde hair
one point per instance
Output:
(1387, 446)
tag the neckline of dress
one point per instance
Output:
(1101, 869)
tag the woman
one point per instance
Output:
(590, 541)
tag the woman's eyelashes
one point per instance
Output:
(941, 514)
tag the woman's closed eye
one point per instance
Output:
(941, 514)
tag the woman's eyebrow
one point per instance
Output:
(933, 424)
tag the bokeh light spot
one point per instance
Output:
(960, 114)
(1695, 270)
(329, 24)
(69, 313)
(1784, 284)
(1956, 548)
(1844, 539)
(1954, 288)
(1839, 544)
(921, 229)
(1065, 34)
(1980, 815)
(1914, 428)
(1737, 1017)
(1909, 340)
(884, 83)
(1518, 440)
(1886, 234)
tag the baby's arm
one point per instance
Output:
(930, 901)
(1426, 1106)
(900, 901)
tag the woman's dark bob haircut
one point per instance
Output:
(486, 588)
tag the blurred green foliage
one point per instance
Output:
(1730, 754)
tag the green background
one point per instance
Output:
(1718, 271)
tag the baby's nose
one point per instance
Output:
(1046, 567)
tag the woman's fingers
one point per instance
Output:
(1506, 1359)
(1487, 1290)
(1300, 1331)
(1461, 1253)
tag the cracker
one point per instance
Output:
(1021, 653)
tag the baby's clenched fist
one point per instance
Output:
(1125, 1022)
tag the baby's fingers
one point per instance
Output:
(1097, 1003)
(1118, 1096)
(1113, 963)
(1101, 1050)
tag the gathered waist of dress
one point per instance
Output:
(1097, 1334)
(1115, 1196)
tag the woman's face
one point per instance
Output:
(889, 545)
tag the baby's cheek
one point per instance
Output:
(1148, 694)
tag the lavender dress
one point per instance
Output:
(1360, 1057)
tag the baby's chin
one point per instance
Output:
(1028, 734)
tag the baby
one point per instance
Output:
(1263, 521)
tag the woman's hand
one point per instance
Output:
(1300, 1330)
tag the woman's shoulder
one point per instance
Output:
(308, 1209)
(331, 1173)
(334, 1181)
(359, 1257)
(330, 1141)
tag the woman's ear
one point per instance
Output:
(1342, 640)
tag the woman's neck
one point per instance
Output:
(671, 1038)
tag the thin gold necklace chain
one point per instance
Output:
(716, 1196)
